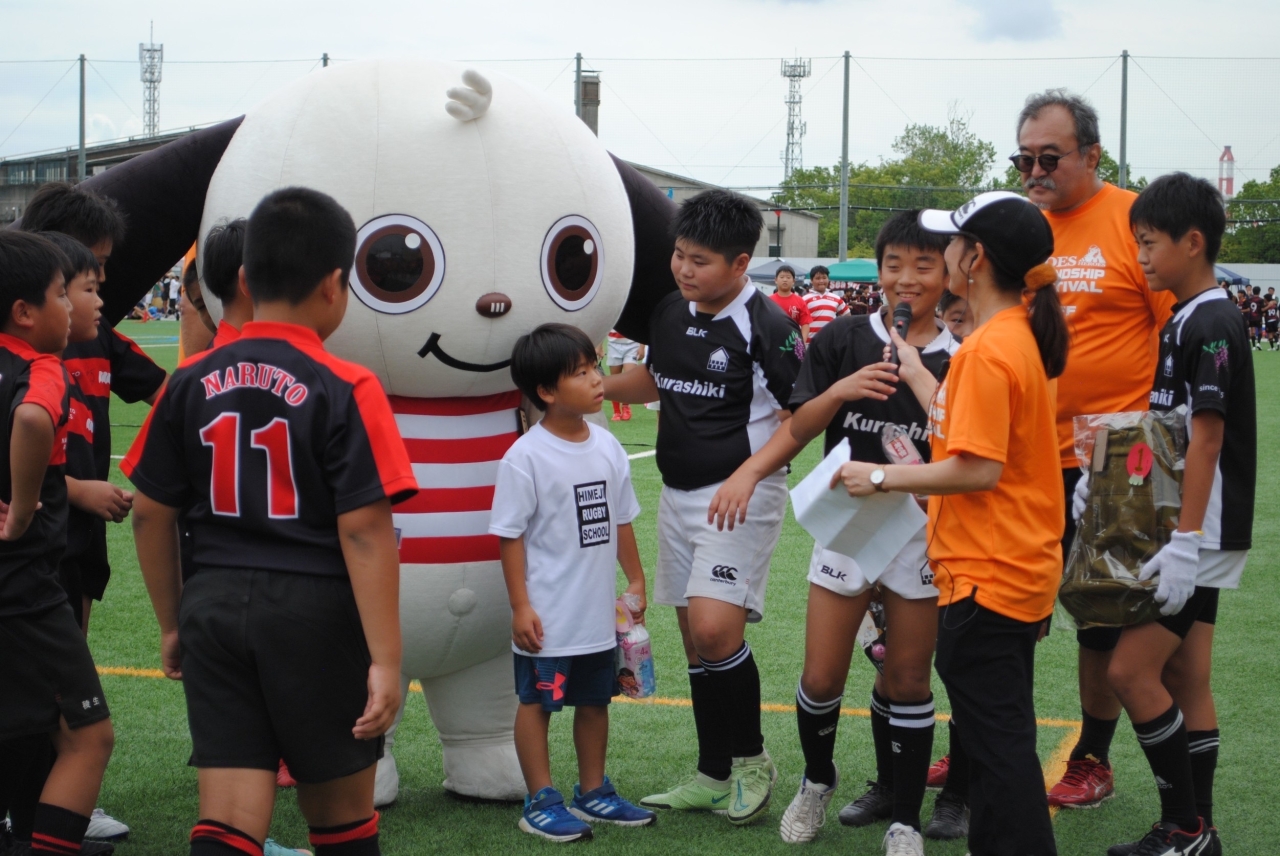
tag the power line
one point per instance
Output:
(38, 103)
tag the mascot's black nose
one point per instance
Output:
(493, 305)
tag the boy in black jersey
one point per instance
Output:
(288, 638)
(1271, 322)
(1253, 307)
(1160, 670)
(722, 360)
(847, 390)
(51, 689)
(110, 362)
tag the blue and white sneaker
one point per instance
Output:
(546, 816)
(271, 847)
(604, 805)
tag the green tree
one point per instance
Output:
(1253, 230)
(935, 167)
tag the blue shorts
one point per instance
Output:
(588, 680)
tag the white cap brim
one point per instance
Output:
(936, 220)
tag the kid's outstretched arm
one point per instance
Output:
(633, 387)
(369, 548)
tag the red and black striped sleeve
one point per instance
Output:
(134, 375)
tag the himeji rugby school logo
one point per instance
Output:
(593, 513)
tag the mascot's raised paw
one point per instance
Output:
(472, 101)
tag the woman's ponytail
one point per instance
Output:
(1048, 324)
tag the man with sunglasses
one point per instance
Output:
(1113, 317)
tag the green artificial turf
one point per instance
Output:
(149, 786)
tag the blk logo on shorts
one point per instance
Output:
(593, 513)
(834, 574)
(725, 574)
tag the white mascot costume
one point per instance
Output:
(483, 210)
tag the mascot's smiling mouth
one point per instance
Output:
(433, 347)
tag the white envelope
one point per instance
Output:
(871, 530)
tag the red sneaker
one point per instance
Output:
(626, 412)
(617, 417)
(1086, 784)
(283, 779)
(938, 773)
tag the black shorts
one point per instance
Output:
(46, 672)
(583, 680)
(70, 577)
(1202, 606)
(1273, 326)
(275, 665)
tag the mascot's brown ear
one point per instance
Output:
(161, 195)
(651, 280)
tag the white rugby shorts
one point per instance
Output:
(697, 560)
(909, 575)
(622, 352)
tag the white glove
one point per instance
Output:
(1177, 564)
(1081, 498)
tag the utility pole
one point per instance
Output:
(1124, 118)
(577, 85)
(324, 60)
(151, 57)
(844, 168)
(80, 168)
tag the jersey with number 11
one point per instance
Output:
(269, 439)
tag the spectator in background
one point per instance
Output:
(792, 304)
(824, 306)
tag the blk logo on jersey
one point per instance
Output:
(593, 513)
(696, 331)
(255, 375)
(718, 361)
(726, 574)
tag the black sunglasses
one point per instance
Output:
(1048, 162)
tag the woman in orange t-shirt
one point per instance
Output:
(996, 505)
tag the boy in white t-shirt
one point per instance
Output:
(562, 510)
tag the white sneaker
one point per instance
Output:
(104, 827)
(807, 812)
(902, 840)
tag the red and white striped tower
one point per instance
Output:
(1227, 173)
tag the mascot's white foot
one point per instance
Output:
(386, 784)
(483, 772)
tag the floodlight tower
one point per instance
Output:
(151, 58)
(794, 71)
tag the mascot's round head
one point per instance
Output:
(483, 210)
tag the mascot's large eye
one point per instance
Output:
(399, 264)
(572, 262)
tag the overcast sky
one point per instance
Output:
(721, 121)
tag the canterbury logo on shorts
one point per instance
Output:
(725, 574)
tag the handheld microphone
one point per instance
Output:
(901, 322)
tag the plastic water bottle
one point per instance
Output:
(871, 635)
(635, 653)
(898, 446)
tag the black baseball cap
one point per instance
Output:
(1014, 233)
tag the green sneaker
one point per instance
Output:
(697, 793)
(751, 784)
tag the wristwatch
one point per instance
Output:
(877, 480)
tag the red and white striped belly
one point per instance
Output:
(455, 445)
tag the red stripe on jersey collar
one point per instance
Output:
(294, 334)
(21, 347)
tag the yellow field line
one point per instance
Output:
(660, 701)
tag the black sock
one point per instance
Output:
(957, 785)
(350, 839)
(737, 680)
(714, 759)
(880, 738)
(1204, 761)
(212, 838)
(911, 736)
(29, 760)
(1164, 740)
(1095, 738)
(57, 830)
(817, 721)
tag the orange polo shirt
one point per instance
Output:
(1113, 316)
(1000, 545)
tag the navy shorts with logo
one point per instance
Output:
(583, 680)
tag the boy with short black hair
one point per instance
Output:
(795, 306)
(722, 360)
(1161, 670)
(562, 511)
(221, 262)
(290, 460)
(51, 688)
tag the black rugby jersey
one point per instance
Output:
(1271, 314)
(720, 380)
(29, 566)
(1253, 308)
(1205, 363)
(82, 527)
(267, 440)
(846, 345)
